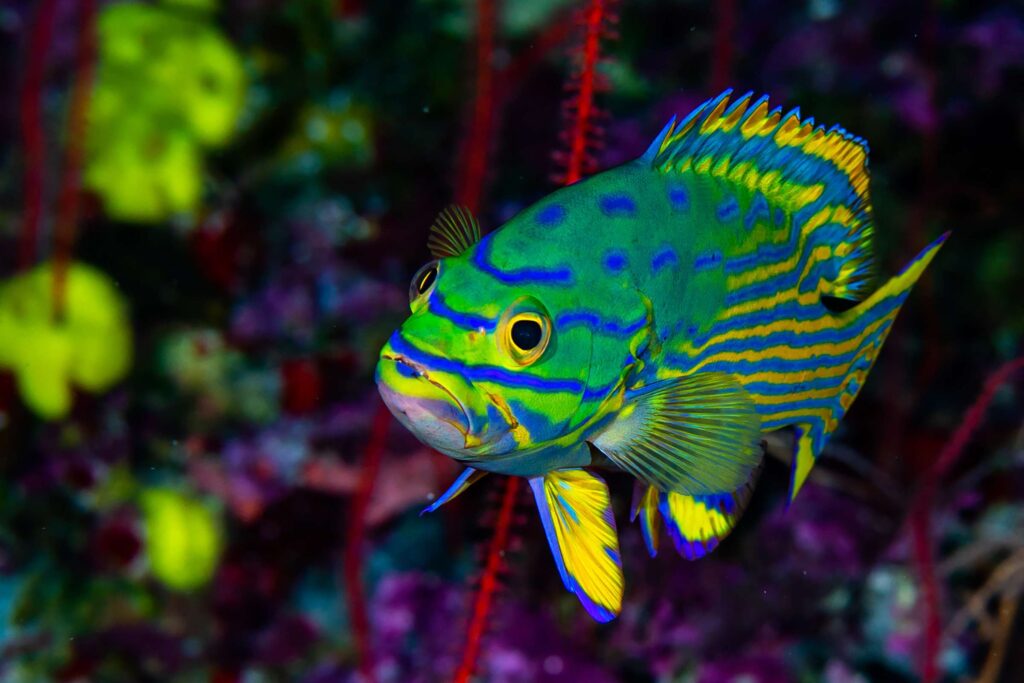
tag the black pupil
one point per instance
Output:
(427, 280)
(526, 334)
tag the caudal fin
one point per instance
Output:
(872, 319)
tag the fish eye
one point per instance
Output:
(423, 281)
(526, 334)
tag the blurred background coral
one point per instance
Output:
(209, 212)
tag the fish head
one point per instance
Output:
(479, 370)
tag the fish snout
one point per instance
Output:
(428, 402)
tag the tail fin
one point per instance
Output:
(872, 321)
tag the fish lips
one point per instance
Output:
(422, 405)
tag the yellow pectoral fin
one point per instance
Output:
(575, 509)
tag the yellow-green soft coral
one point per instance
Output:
(168, 84)
(89, 347)
(183, 538)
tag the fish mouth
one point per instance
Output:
(419, 371)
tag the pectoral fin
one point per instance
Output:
(468, 477)
(576, 512)
(693, 435)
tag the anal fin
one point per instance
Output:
(697, 524)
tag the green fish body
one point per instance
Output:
(658, 318)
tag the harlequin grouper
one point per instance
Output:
(657, 318)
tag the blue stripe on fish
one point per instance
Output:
(483, 373)
(519, 276)
(468, 321)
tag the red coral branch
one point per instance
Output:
(473, 166)
(920, 521)
(582, 134)
(489, 581)
(65, 230)
(352, 562)
(32, 135)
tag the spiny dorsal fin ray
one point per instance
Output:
(794, 164)
(696, 435)
(454, 231)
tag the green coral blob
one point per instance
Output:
(168, 85)
(90, 346)
(183, 538)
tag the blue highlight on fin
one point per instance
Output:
(468, 477)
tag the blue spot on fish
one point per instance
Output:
(615, 261)
(707, 260)
(618, 205)
(780, 217)
(678, 198)
(664, 258)
(728, 210)
(551, 215)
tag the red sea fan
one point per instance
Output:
(583, 134)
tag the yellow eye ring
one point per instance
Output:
(525, 335)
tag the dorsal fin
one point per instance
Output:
(454, 231)
(791, 162)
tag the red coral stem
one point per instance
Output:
(352, 561)
(32, 135)
(920, 522)
(584, 83)
(71, 180)
(489, 582)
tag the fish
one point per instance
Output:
(658, 318)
